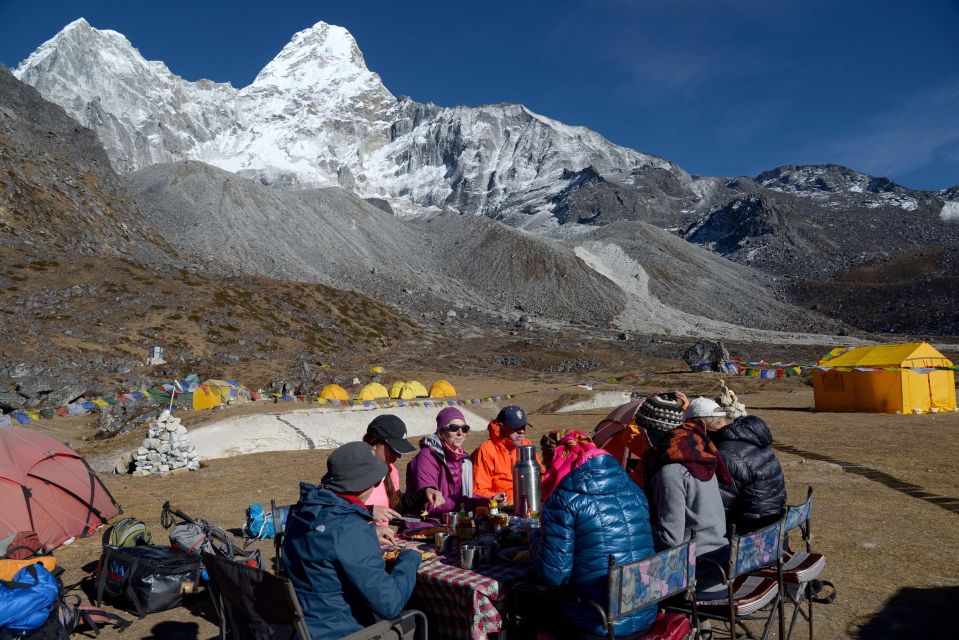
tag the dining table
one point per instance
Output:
(467, 604)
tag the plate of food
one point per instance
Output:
(424, 533)
(519, 555)
(390, 554)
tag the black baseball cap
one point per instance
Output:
(391, 430)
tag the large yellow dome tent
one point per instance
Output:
(442, 389)
(402, 391)
(419, 391)
(373, 391)
(334, 392)
(891, 389)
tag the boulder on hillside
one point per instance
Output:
(707, 355)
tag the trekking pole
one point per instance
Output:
(170, 510)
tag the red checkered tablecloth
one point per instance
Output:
(465, 603)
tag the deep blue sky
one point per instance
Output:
(722, 87)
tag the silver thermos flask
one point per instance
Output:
(527, 482)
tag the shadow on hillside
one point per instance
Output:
(915, 613)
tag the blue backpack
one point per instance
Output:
(27, 600)
(259, 522)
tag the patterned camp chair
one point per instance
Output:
(747, 592)
(632, 586)
(800, 568)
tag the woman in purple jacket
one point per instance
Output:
(442, 463)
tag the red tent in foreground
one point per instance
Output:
(49, 488)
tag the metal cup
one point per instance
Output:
(449, 521)
(467, 555)
(441, 540)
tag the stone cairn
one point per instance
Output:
(165, 448)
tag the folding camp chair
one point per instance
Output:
(800, 568)
(748, 593)
(255, 605)
(631, 587)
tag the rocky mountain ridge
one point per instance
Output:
(315, 116)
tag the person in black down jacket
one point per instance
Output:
(591, 509)
(757, 496)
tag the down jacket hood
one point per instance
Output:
(757, 495)
(749, 429)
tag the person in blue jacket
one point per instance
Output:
(332, 555)
(592, 509)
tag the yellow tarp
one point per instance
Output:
(442, 389)
(373, 391)
(334, 392)
(206, 397)
(897, 391)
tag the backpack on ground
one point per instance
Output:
(128, 532)
(145, 579)
(64, 615)
(260, 523)
(27, 600)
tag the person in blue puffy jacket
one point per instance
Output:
(331, 553)
(592, 509)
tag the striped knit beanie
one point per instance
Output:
(660, 414)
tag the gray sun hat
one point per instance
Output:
(353, 469)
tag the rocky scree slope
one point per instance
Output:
(58, 190)
(331, 236)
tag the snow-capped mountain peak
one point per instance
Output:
(835, 185)
(316, 116)
(314, 56)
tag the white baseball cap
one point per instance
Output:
(703, 408)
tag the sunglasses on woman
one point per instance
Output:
(456, 428)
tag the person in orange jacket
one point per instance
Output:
(493, 460)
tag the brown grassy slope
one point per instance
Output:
(67, 309)
(915, 293)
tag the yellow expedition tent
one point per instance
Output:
(206, 397)
(442, 389)
(373, 391)
(419, 391)
(893, 389)
(334, 392)
(402, 391)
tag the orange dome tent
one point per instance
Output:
(334, 392)
(442, 389)
(47, 487)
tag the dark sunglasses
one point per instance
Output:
(465, 428)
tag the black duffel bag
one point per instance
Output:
(145, 579)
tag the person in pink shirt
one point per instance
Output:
(387, 435)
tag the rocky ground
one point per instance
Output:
(886, 493)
